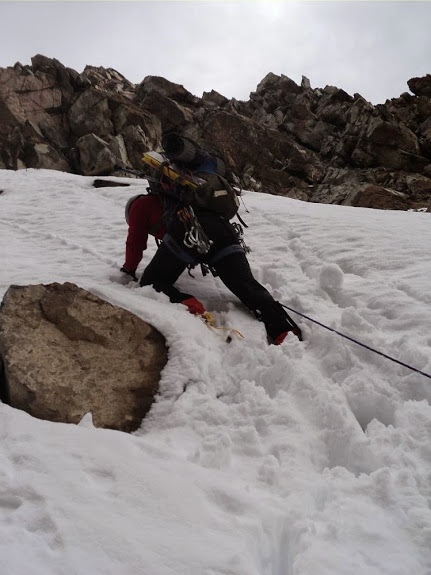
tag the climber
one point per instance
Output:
(196, 234)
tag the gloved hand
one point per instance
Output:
(130, 273)
(194, 306)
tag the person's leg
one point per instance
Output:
(162, 272)
(234, 271)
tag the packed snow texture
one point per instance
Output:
(309, 458)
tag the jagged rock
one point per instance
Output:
(276, 159)
(117, 146)
(140, 130)
(419, 185)
(166, 100)
(420, 86)
(107, 80)
(55, 130)
(333, 106)
(27, 97)
(411, 110)
(90, 114)
(292, 135)
(66, 352)
(96, 156)
(361, 194)
(215, 99)
(29, 104)
(47, 157)
(126, 114)
(277, 87)
(307, 126)
(137, 142)
(175, 92)
(305, 83)
(370, 196)
(64, 77)
(425, 128)
(33, 129)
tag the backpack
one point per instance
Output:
(201, 189)
(193, 182)
(216, 195)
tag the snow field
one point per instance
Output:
(255, 460)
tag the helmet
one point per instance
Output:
(129, 204)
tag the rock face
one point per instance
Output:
(318, 145)
(65, 352)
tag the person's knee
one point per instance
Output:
(234, 266)
(145, 281)
(150, 274)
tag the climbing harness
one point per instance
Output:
(176, 199)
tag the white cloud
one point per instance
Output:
(367, 47)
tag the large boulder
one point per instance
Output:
(33, 132)
(170, 102)
(66, 352)
(97, 158)
(141, 131)
(43, 155)
(26, 96)
(163, 87)
(90, 114)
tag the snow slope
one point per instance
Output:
(309, 458)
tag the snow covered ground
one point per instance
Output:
(312, 458)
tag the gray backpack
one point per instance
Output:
(215, 194)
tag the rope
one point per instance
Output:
(359, 343)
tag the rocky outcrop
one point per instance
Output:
(420, 86)
(65, 353)
(46, 110)
(316, 144)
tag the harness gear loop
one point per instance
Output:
(195, 236)
(240, 234)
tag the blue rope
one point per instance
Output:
(358, 342)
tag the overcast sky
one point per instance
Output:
(372, 48)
